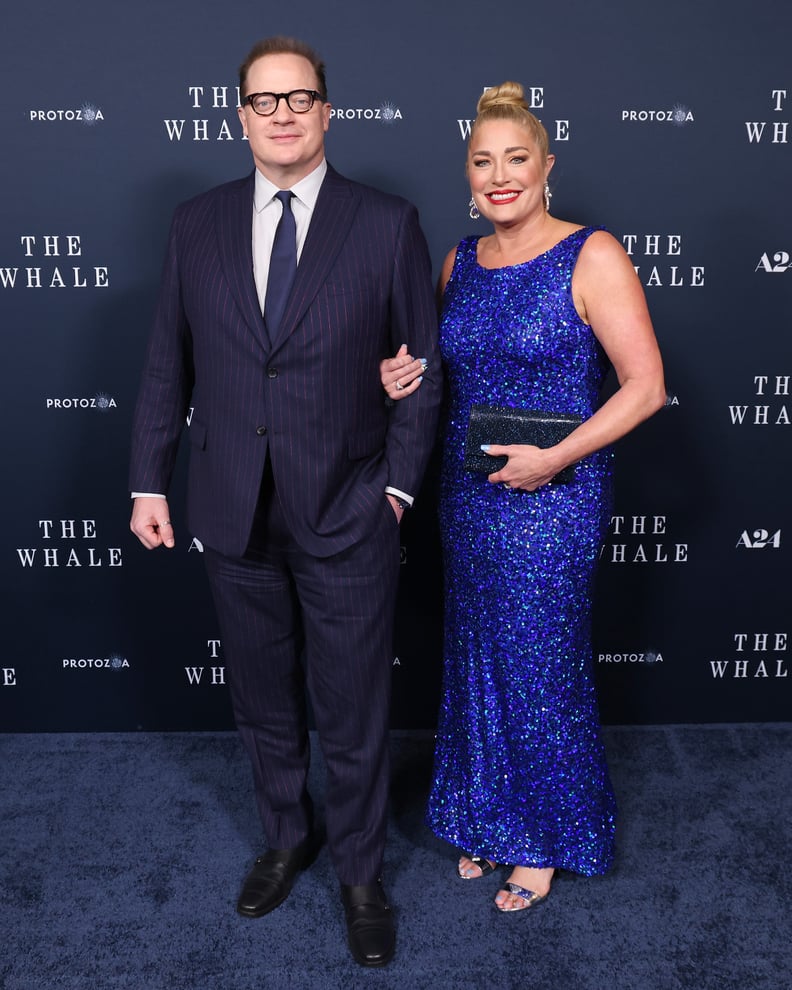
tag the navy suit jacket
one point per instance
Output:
(311, 399)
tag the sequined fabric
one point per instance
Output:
(520, 773)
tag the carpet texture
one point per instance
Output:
(122, 856)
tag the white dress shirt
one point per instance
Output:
(267, 213)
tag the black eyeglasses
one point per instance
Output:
(298, 101)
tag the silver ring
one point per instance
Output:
(506, 485)
(399, 386)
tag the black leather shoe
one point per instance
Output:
(270, 881)
(372, 934)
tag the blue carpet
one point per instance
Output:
(122, 856)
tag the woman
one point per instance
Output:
(532, 316)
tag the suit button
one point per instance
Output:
(261, 430)
(272, 372)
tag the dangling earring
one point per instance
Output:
(547, 196)
(474, 213)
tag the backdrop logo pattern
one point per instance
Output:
(759, 656)
(215, 676)
(386, 113)
(760, 539)
(101, 401)
(114, 662)
(211, 676)
(772, 131)
(725, 335)
(88, 114)
(655, 250)
(678, 115)
(648, 658)
(642, 539)
(775, 263)
(217, 106)
(53, 265)
(68, 543)
(770, 410)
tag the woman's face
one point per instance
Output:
(507, 172)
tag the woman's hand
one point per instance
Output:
(402, 375)
(528, 467)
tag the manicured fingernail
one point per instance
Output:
(485, 447)
(421, 378)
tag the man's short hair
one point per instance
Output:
(281, 45)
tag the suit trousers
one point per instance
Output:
(291, 621)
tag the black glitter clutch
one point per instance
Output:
(503, 425)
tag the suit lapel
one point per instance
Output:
(235, 242)
(330, 225)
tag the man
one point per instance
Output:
(299, 473)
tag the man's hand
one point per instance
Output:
(395, 506)
(151, 523)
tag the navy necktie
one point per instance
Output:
(283, 265)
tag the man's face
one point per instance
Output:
(286, 146)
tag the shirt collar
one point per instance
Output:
(306, 190)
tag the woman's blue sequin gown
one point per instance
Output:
(520, 772)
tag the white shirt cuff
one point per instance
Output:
(389, 490)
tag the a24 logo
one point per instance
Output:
(759, 539)
(779, 261)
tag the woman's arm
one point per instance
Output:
(608, 296)
(401, 375)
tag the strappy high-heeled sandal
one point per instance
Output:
(485, 865)
(529, 897)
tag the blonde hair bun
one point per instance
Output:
(507, 102)
(508, 94)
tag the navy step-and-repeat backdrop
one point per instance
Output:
(671, 126)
